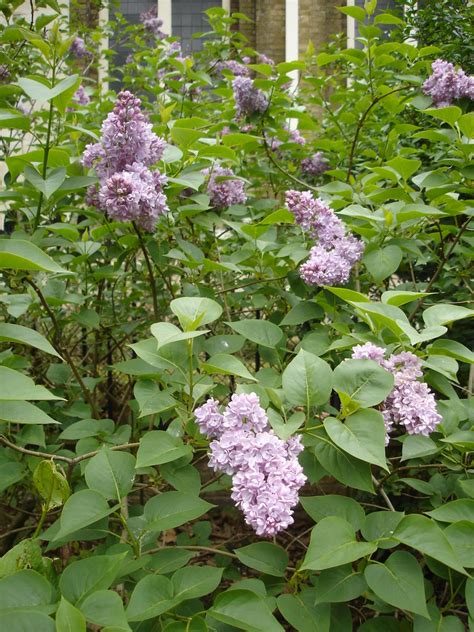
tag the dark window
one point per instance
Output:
(383, 6)
(188, 18)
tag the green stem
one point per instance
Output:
(149, 266)
(190, 375)
(44, 513)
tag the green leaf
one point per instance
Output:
(111, 473)
(152, 596)
(449, 114)
(244, 610)
(380, 525)
(47, 186)
(184, 478)
(264, 557)
(224, 364)
(319, 507)
(24, 590)
(362, 381)
(354, 12)
(333, 543)
(424, 535)
(301, 313)
(362, 435)
(82, 509)
(399, 582)
(193, 582)
(397, 297)
(151, 399)
(461, 509)
(452, 349)
(406, 167)
(466, 124)
(69, 618)
(307, 380)
(441, 314)
(39, 92)
(461, 538)
(51, 485)
(345, 468)
(193, 312)
(169, 559)
(339, 584)
(26, 336)
(158, 446)
(19, 387)
(185, 137)
(24, 413)
(18, 254)
(383, 262)
(172, 509)
(13, 119)
(85, 577)
(104, 607)
(301, 612)
(416, 446)
(470, 595)
(167, 333)
(262, 332)
(11, 472)
(24, 621)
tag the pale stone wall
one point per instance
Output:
(319, 20)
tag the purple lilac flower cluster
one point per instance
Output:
(446, 84)
(233, 66)
(127, 189)
(78, 48)
(224, 188)
(331, 259)
(411, 403)
(152, 23)
(314, 165)
(4, 73)
(248, 98)
(266, 474)
(81, 97)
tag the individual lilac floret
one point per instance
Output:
(78, 48)
(315, 165)
(152, 23)
(248, 98)
(446, 84)
(266, 473)
(224, 188)
(127, 137)
(411, 403)
(134, 194)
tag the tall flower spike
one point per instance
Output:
(127, 137)
(331, 259)
(266, 473)
(410, 403)
(248, 98)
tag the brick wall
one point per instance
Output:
(270, 28)
(319, 20)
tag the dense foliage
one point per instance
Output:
(224, 288)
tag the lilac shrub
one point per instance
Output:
(266, 474)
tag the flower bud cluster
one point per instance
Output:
(266, 474)
(335, 252)
(152, 23)
(314, 165)
(411, 403)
